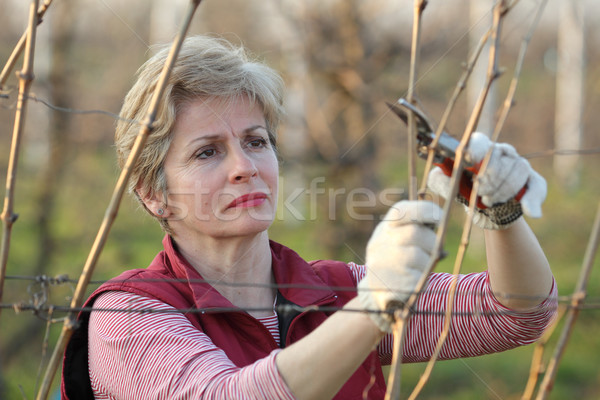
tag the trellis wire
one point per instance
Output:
(37, 309)
(52, 308)
(47, 282)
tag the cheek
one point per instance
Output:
(208, 194)
(196, 193)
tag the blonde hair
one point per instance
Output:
(207, 67)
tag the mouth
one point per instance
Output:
(248, 200)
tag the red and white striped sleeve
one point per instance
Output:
(161, 355)
(480, 323)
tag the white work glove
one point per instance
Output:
(398, 253)
(508, 188)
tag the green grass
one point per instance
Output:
(135, 239)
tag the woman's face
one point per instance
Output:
(221, 170)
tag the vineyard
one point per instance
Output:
(526, 72)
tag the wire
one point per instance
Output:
(51, 106)
(62, 279)
(283, 308)
(38, 305)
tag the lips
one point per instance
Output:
(248, 200)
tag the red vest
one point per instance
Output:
(243, 338)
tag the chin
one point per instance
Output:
(255, 228)
(245, 227)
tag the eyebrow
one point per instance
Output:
(218, 136)
(254, 128)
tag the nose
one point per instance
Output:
(243, 167)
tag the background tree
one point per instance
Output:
(570, 73)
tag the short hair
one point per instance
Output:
(207, 67)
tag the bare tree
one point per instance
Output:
(339, 111)
(569, 91)
(480, 17)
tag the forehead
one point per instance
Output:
(218, 114)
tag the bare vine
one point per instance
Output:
(113, 207)
(25, 78)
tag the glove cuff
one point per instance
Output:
(382, 320)
(499, 216)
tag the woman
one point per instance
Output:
(209, 175)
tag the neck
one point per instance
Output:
(235, 261)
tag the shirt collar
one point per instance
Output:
(296, 279)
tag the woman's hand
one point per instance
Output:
(508, 187)
(397, 256)
(520, 275)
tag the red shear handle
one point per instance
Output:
(466, 181)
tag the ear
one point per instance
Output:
(153, 201)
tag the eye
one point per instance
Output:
(203, 154)
(257, 143)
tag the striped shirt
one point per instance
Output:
(161, 355)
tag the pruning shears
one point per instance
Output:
(444, 152)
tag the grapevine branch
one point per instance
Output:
(25, 79)
(402, 316)
(537, 367)
(499, 12)
(12, 60)
(577, 298)
(113, 207)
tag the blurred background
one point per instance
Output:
(341, 60)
